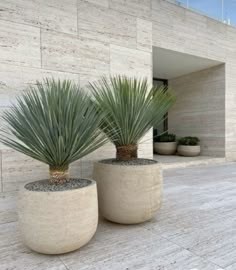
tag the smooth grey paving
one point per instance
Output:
(194, 230)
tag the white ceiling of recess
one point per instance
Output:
(169, 64)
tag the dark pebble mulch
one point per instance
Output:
(45, 186)
(139, 161)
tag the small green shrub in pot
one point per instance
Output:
(189, 146)
(165, 144)
(166, 137)
(188, 140)
(56, 123)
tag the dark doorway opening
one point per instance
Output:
(164, 127)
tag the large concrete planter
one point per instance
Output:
(189, 150)
(58, 222)
(165, 148)
(128, 194)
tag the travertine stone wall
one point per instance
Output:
(79, 40)
(200, 108)
(182, 30)
(84, 39)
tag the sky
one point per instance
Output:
(213, 8)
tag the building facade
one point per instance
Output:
(84, 39)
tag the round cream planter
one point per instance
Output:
(165, 148)
(189, 150)
(58, 222)
(128, 194)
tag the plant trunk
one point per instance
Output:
(59, 176)
(127, 152)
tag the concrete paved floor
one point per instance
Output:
(175, 161)
(195, 230)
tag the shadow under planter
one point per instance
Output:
(129, 192)
(59, 221)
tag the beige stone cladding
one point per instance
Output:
(82, 40)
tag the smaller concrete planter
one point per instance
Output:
(165, 148)
(189, 150)
(128, 194)
(60, 221)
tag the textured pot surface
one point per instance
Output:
(165, 148)
(128, 194)
(189, 150)
(58, 222)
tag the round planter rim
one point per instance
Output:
(189, 145)
(128, 165)
(23, 189)
(165, 142)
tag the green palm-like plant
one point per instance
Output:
(131, 109)
(56, 123)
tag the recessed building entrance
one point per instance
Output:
(199, 85)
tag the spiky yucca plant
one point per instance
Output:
(56, 123)
(131, 109)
